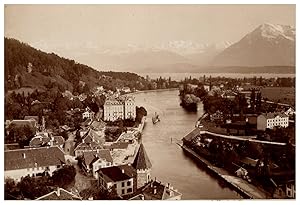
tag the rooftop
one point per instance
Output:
(39, 141)
(142, 160)
(91, 156)
(118, 145)
(156, 190)
(118, 173)
(59, 194)
(36, 118)
(58, 140)
(88, 146)
(19, 123)
(33, 157)
(273, 115)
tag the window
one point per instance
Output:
(129, 190)
(128, 183)
(123, 191)
(123, 184)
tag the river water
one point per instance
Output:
(169, 163)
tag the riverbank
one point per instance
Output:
(156, 90)
(242, 187)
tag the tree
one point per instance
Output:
(34, 187)
(64, 176)
(258, 102)
(11, 190)
(252, 100)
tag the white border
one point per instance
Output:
(139, 2)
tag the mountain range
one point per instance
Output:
(267, 45)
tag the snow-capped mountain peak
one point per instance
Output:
(272, 31)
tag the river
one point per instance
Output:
(169, 163)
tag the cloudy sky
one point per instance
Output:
(50, 27)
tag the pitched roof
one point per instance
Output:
(141, 160)
(118, 173)
(88, 146)
(91, 136)
(20, 123)
(39, 141)
(118, 145)
(273, 115)
(98, 125)
(163, 192)
(58, 140)
(28, 158)
(91, 156)
(36, 118)
(59, 194)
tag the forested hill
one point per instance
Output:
(27, 67)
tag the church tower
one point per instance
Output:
(143, 166)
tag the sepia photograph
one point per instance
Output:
(149, 102)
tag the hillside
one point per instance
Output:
(27, 67)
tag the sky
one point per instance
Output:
(53, 26)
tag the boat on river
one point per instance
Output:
(155, 118)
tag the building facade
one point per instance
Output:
(271, 120)
(122, 107)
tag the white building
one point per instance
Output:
(32, 162)
(88, 114)
(271, 120)
(290, 111)
(122, 107)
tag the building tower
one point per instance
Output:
(143, 166)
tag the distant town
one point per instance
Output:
(246, 135)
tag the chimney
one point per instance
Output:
(58, 191)
(154, 190)
(24, 156)
(122, 171)
(143, 197)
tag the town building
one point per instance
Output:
(122, 107)
(143, 166)
(36, 118)
(271, 120)
(88, 114)
(32, 162)
(39, 141)
(284, 188)
(117, 146)
(95, 160)
(59, 194)
(155, 190)
(289, 111)
(122, 178)
(21, 123)
(86, 146)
